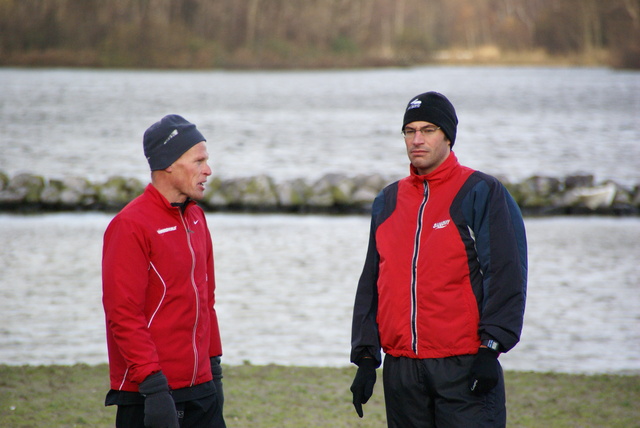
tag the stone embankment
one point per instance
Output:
(333, 193)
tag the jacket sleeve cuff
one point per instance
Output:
(366, 356)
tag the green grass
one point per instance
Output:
(301, 397)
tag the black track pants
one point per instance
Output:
(434, 392)
(202, 413)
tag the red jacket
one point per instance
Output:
(158, 294)
(446, 267)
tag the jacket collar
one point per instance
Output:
(441, 173)
(160, 200)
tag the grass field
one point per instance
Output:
(301, 397)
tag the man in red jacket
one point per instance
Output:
(159, 292)
(443, 288)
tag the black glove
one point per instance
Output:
(216, 371)
(362, 386)
(485, 371)
(159, 407)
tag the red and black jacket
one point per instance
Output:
(446, 267)
(158, 294)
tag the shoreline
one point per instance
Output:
(485, 55)
(331, 194)
(247, 363)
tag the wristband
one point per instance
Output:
(494, 345)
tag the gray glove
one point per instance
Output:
(159, 407)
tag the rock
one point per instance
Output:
(51, 192)
(575, 181)
(364, 197)
(77, 192)
(591, 197)
(374, 182)
(116, 192)
(258, 191)
(635, 198)
(538, 191)
(251, 192)
(71, 192)
(342, 187)
(322, 193)
(623, 202)
(366, 189)
(623, 196)
(293, 193)
(213, 196)
(4, 180)
(23, 188)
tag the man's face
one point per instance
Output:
(427, 146)
(190, 172)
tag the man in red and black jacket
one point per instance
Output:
(443, 288)
(159, 292)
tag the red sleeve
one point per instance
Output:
(125, 267)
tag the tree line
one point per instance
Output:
(310, 33)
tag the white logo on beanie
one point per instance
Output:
(173, 134)
(414, 104)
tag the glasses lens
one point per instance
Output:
(428, 130)
(409, 133)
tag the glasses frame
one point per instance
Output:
(425, 131)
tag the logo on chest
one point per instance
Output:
(441, 224)
(167, 229)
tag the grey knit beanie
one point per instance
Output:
(165, 141)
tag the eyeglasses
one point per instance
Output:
(426, 132)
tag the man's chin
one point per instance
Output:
(419, 164)
(196, 196)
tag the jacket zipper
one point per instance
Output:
(195, 291)
(414, 270)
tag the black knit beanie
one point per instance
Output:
(165, 141)
(435, 108)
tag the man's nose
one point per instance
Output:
(417, 139)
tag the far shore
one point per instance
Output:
(486, 55)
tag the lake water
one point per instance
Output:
(514, 122)
(286, 286)
(286, 283)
